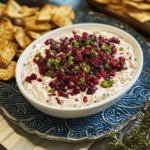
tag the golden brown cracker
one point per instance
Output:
(116, 1)
(140, 5)
(116, 7)
(15, 28)
(53, 25)
(6, 25)
(9, 72)
(46, 13)
(2, 8)
(18, 22)
(22, 39)
(71, 15)
(14, 10)
(19, 52)
(102, 1)
(8, 35)
(6, 53)
(61, 21)
(63, 10)
(30, 24)
(36, 35)
(14, 45)
(139, 15)
(18, 55)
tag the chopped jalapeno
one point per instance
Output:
(94, 48)
(104, 47)
(106, 84)
(48, 64)
(69, 54)
(108, 61)
(52, 90)
(58, 60)
(63, 67)
(57, 66)
(82, 80)
(108, 68)
(125, 68)
(110, 46)
(55, 79)
(49, 74)
(121, 49)
(69, 46)
(87, 43)
(91, 39)
(37, 55)
(70, 60)
(75, 43)
(53, 52)
(77, 68)
(86, 69)
(93, 53)
(58, 45)
(82, 48)
(83, 63)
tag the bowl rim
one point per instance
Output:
(101, 103)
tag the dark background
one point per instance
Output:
(77, 5)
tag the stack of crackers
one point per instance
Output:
(137, 9)
(21, 25)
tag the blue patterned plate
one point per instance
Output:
(18, 110)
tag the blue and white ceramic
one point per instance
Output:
(19, 110)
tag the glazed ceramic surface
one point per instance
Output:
(20, 111)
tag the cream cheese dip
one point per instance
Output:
(39, 88)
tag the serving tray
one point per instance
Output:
(121, 16)
(19, 110)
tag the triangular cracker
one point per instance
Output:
(71, 15)
(9, 72)
(6, 25)
(2, 8)
(30, 24)
(8, 35)
(46, 13)
(61, 21)
(63, 10)
(22, 39)
(6, 53)
(14, 10)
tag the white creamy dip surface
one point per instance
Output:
(39, 90)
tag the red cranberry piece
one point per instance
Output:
(54, 56)
(95, 80)
(54, 75)
(75, 79)
(102, 73)
(89, 47)
(98, 76)
(51, 68)
(70, 72)
(83, 87)
(66, 65)
(70, 85)
(58, 101)
(114, 40)
(27, 79)
(39, 80)
(91, 90)
(76, 90)
(86, 52)
(63, 94)
(78, 38)
(85, 99)
(65, 78)
(74, 32)
(57, 85)
(77, 59)
(112, 73)
(52, 84)
(34, 60)
(63, 57)
(33, 76)
(112, 64)
(59, 72)
(119, 67)
(81, 74)
(42, 69)
(49, 41)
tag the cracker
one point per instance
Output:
(53, 25)
(2, 8)
(30, 24)
(6, 25)
(46, 13)
(61, 21)
(63, 10)
(6, 53)
(116, 1)
(9, 72)
(140, 5)
(71, 15)
(139, 15)
(18, 22)
(116, 7)
(8, 35)
(15, 28)
(19, 52)
(14, 10)
(22, 39)
(13, 45)
(36, 35)
(102, 1)
(18, 55)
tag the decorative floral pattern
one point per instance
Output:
(17, 108)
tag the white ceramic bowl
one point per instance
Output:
(89, 110)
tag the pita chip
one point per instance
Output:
(2, 8)
(9, 72)
(46, 13)
(71, 15)
(102, 1)
(63, 10)
(6, 25)
(22, 39)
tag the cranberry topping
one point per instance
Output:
(85, 99)
(77, 63)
